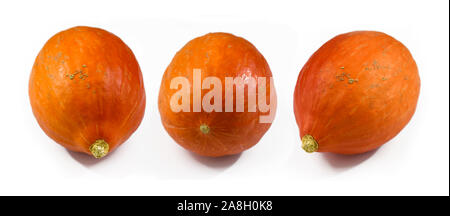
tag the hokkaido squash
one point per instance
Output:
(224, 129)
(86, 90)
(355, 93)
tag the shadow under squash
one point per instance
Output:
(340, 161)
(216, 162)
(87, 160)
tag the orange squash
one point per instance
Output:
(86, 90)
(214, 133)
(355, 93)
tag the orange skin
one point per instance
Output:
(356, 92)
(220, 55)
(104, 101)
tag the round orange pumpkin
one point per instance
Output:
(86, 90)
(355, 93)
(214, 133)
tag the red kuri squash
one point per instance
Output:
(86, 90)
(218, 131)
(355, 93)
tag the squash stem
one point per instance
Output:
(204, 128)
(99, 148)
(309, 144)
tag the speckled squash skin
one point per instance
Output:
(220, 55)
(356, 92)
(86, 85)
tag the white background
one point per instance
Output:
(416, 162)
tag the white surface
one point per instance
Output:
(416, 162)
